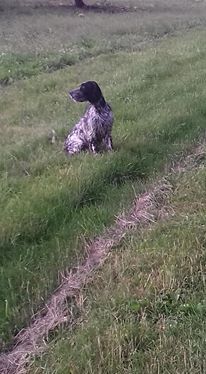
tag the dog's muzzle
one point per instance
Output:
(77, 95)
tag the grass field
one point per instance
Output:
(51, 205)
(145, 311)
(35, 39)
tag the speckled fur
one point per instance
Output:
(93, 131)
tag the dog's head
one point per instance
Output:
(87, 91)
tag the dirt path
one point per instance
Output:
(147, 209)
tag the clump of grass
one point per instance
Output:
(19, 66)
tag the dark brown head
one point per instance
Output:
(87, 91)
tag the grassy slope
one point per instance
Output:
(46, 199)
(159, 103)
(145, 311)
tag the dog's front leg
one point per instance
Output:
(108, 143)
(93, 148)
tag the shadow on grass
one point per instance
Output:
(58, 7)
(100, 7)
(129, 164)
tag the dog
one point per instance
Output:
(93, 131)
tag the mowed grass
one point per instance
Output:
(145, 310)
(44, 36)
(51, 204)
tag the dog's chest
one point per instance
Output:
(98, 122)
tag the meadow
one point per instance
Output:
(145, 310)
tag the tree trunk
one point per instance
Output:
(79, 3)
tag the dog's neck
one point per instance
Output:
(100, 104)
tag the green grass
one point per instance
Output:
(145, 310)
(35, 40)
(51, 204)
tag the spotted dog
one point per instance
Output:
(93, 131)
